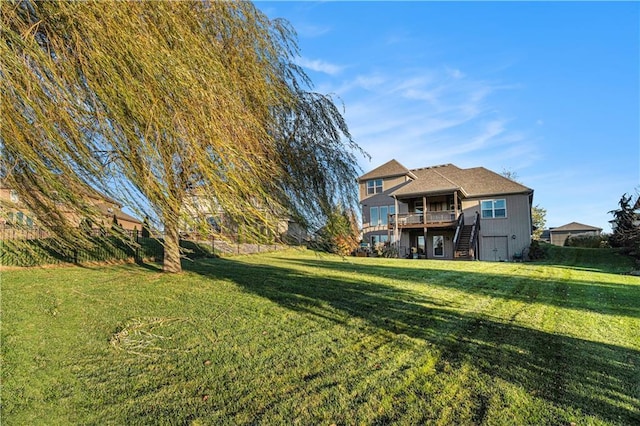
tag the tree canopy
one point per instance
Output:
(538, 213)
(626, 231)
(155, 102)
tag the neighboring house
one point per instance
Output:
(558, 235)
(199, 210)
(15, 213)
(445, 212)
(545, 236)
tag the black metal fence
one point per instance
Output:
(32, 246)
(15, 232)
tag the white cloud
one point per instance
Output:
(431, 116)
(311, 30)
(455, 73)
(319, 65)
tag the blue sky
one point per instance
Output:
(548, 90)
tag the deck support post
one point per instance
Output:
(426, 243)
(396, 235)
(424, 210)
(455, 203)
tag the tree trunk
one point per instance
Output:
(171, 249)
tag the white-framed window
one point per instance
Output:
(374, 217)
(438, 246)
(374, 186)
(380, 215)
(492, 209)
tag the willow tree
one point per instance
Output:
(155, 102)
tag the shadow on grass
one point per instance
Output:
(592, 296)
(598, 379)
(607, 260)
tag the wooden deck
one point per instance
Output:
(442, 219)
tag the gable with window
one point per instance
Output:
(374, 186)
(494, 209)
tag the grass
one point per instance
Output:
(300, 338)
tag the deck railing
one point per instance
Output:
(474, 234)
(405, 219)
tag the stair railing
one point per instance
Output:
(458, 230)
(475, 228)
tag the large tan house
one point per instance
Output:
(202, 210)
(15, 213)
(445, 212)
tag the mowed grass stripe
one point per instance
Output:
(301, 338)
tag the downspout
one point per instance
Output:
(530, 217)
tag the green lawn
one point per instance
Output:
(300, 338)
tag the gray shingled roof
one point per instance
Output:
(575, 226)
(428, 180)
(479, 181)
(389, 169)
(474, 182)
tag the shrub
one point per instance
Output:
(586, 241)
(536, 252)
(340, 235)
(390, 251)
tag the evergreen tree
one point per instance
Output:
(625, 224)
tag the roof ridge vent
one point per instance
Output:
(434, 167)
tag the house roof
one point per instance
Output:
(575, 226)
(389, 169)
(120, 215)
(88, 191)
(428, 180)
(473, 182)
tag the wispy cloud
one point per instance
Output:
(319, 65)
(432, 116)
(311, 30)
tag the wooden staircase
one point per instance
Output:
(463, 249)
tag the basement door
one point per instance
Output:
(494, 249)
